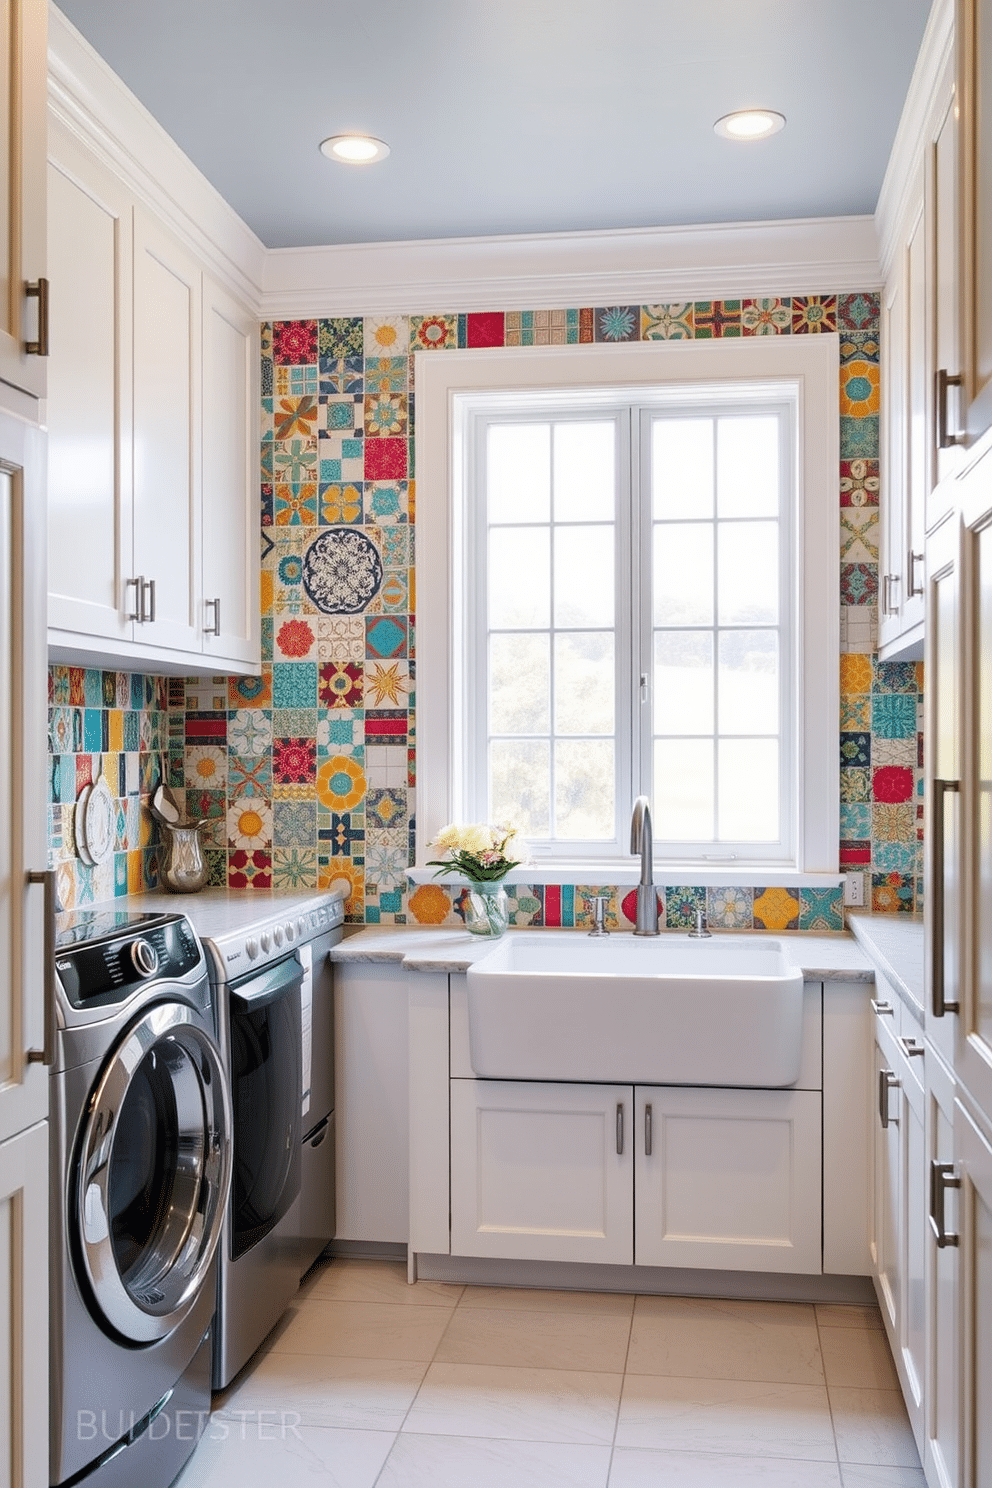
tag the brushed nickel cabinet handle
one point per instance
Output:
(881, 1009)
(887, 1080)
(913, 560)
(148, 614)
(214, 629)
(139, 590)
(945, 440)
(942, 1177)
(648, 1134)
(39, 291)
(938, 1002)
(46, 1054)
(619, 1128)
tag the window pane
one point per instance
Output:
(683, 574)
(682, 468)
(519, 472)
(747, 467)
(683, 682)
(519, 684)
(520, 785)
(749, 682)
(585, 690)
(683, 790)
(585, 789)
(519, 577)
(749, 807)
(584, 577)
(584, 472)
(748, 582)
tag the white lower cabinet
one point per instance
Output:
(942, 1387)
(718, 1179)
(728, 1179)
(899, 1208)
(973, 1168)
(23, 1281)
(542, 1171)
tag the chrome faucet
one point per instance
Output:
(642, 841)
(702, 930)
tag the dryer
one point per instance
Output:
(141, 1154)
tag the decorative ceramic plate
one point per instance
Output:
(95, 823)
(342, 571)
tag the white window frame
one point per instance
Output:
(446, 383)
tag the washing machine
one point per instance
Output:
(141, 1158)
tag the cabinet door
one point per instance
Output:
(974, 1159)
(728, 1179)
(541, 1171)
(974, 49)
(24, 968)
(942, 797)
(167, 515)
(892, 531)
(24, 1306)
(230, 479)
(944, 206)
(973, 1054)
(89, 396)
(23, 99)
(886, 1166)
(941, 1447)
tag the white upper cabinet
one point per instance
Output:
(974, 52)
(89, 394)
(164, 583)
(153, 398)
(23, 274)
(230, 477)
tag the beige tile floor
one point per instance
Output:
(371, 1383)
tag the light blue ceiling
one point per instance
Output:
(517, 116)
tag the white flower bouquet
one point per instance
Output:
(478, 851)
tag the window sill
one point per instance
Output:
(666, 875)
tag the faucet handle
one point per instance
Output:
(702, 930)
(597, 903)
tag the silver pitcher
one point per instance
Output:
(184, 868)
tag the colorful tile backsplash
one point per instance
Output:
(307, 774)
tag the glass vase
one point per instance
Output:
(486, 909)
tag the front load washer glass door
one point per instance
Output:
(154, 1173)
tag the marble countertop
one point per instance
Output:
(895, 945)
(835, 958)
(213, 912)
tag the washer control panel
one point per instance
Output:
(109, 967)
(237, 952)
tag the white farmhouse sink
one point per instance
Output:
(658, 1010)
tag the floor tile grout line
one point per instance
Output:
(830, 1404)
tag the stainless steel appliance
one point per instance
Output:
(317, 1175)
(140, 1145)
(262, 954)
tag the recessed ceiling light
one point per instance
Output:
(750, 124)
(354, 149)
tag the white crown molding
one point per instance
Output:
(821, 255)
(929, 91)
(92, 101)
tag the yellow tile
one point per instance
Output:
(776, 909)
(855, 673)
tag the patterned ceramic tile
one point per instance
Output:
(618, 323)
(776, 909)
(859, 584)
(859, 535)
(433, 332)
(730, 908)
(667, 322)
(341, 337)
(858, 312)
(813, 314)
(821, 910)
(859, 483)
(716, 318)
(766, 317)
(682, 905)
(294, 342)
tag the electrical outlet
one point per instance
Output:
(854, 890)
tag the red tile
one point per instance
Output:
(484, 328)
(385, 459)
